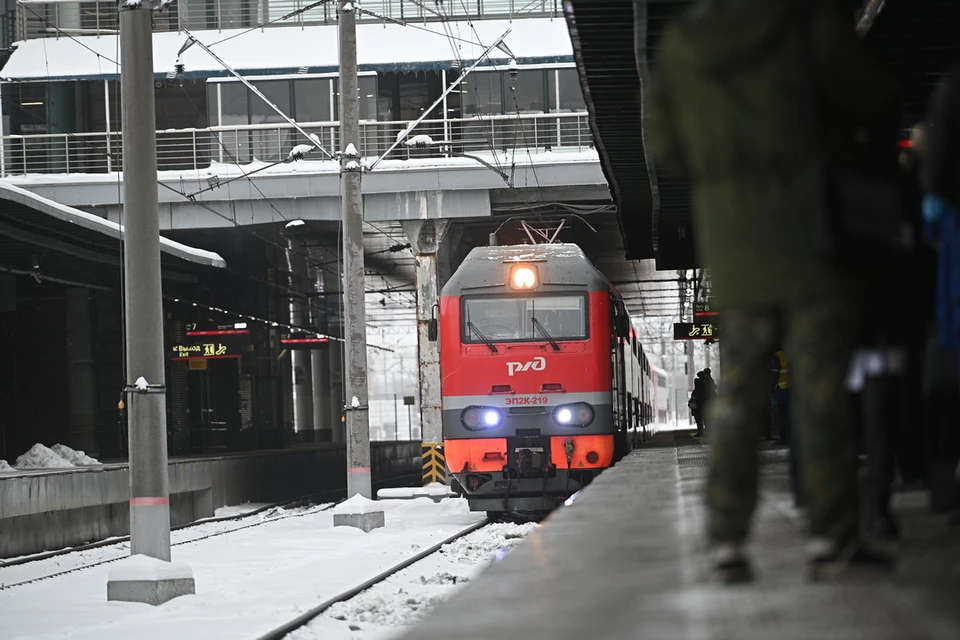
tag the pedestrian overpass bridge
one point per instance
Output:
(244, 175)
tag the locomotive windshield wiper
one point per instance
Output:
(487, 341)
(538, 325)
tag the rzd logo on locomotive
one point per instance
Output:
(537, 364)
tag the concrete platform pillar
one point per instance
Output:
(425, 237)
(140, 578)
(300, 362)
(359, 512)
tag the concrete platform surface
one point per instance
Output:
(625, 560)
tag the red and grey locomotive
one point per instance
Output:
(542, 378)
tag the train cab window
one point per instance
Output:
(563, 317)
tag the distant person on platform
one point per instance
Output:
(710, 385)
(697, 403)
(750, 96)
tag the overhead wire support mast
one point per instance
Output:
(354, 298)
(314, 140)
(144, 390)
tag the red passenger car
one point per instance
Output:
(539, 381)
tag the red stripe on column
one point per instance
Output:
(148, 502)
(358, 470)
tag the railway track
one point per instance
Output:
(117, 541)
(306, 617)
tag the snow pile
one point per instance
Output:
(141, 567)
(299, 151)
(41, 457)
(356, 505)
(78, 458)
(5, 467)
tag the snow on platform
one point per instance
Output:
(247, 582)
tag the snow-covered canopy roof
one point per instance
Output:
(380, 47)
(90, 222)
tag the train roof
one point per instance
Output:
(560, 265)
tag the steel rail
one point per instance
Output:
(307, 616)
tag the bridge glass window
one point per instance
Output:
(529, 96)
(312, 100)
(277, 92)
(481, 94)
(564, 90)
(233, 103)
(367, 87)
(564, 317)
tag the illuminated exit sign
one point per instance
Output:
(695, 331)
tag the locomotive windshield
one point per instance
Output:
(563, 317)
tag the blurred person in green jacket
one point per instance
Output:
(749, 96)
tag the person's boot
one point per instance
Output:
(836, 561)
(729, 564)
(885, 527)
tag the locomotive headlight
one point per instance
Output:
(584, 414)
(524, 277)
(477, 418)
(573, 415)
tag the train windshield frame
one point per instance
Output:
(500, 318)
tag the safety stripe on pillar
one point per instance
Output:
(149, 502)
(434, 464)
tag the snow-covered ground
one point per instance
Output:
(247, 582)
(389, 608)
(57, 564)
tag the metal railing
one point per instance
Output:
(37, 19)
(193, 149)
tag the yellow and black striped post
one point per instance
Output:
(434, 464)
